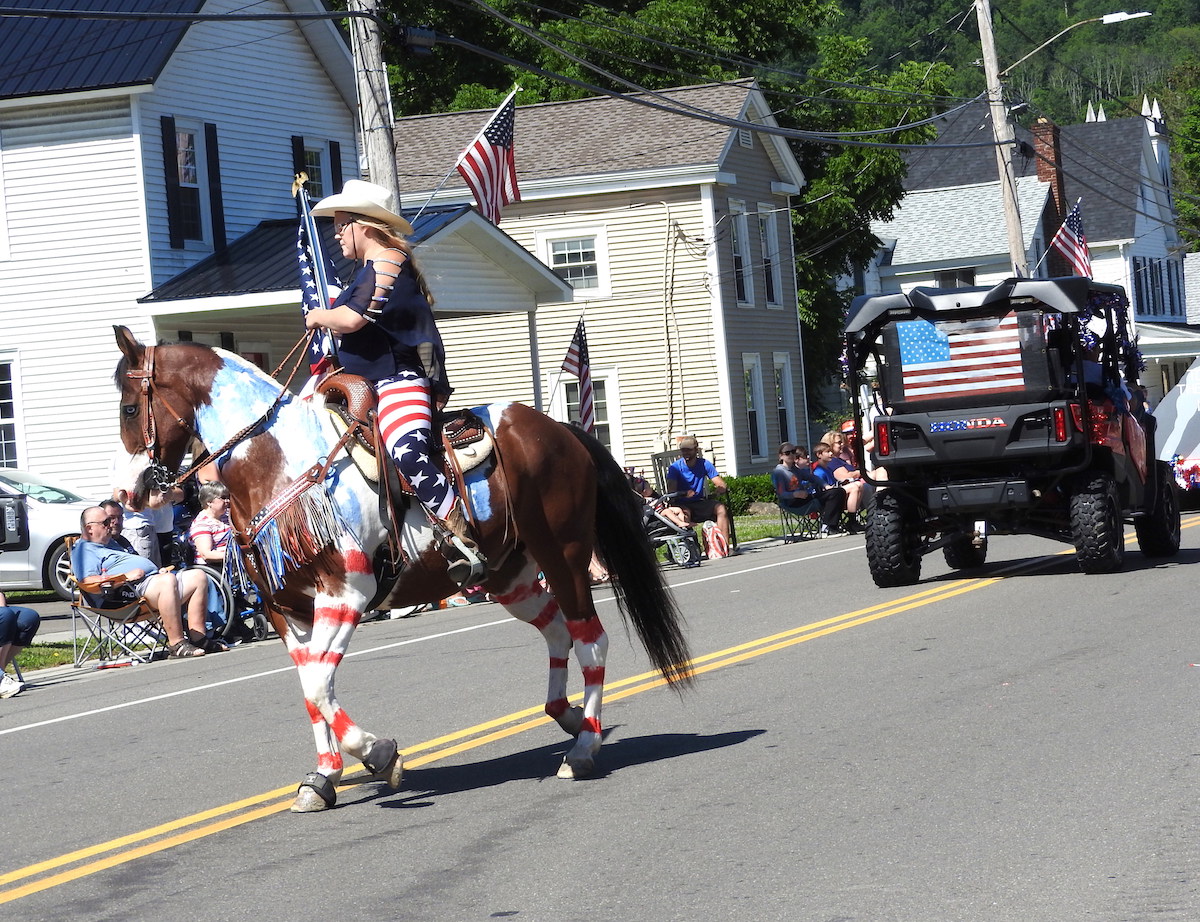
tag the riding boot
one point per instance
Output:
(465, 565)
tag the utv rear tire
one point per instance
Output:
(893, 543)
(1097, 528)
(1158, 530)
(964, 554)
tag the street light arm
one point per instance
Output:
(1108, 19)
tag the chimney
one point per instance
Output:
(1049, 164)
(1049, 169)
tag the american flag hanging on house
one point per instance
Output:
(1071, 241)
(978, 356)
(488, 165)
(577, 363)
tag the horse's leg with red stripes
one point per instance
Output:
(317, 651)
(528, 600)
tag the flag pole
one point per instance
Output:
(320, 279)
(457, 160)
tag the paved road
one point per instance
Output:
(1018, 745)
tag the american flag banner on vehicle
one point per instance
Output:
(488, 165)
(577, 363)
(956, 359)
(1071, 241)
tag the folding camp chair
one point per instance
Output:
(132, 632)
(800, 522)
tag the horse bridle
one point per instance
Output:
(145, 375)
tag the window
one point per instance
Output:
(314, 166)
(8, 414)
(739, 237)
(768, 241)
(600, 401)
(753, 386)
(574, 261)
(187, 158)
(955, 278)
(783, 395)
(578, 256)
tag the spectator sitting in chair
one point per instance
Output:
(834, 473)
(18, 624)
(117, 512)
(104, 571)
(687, 476)
(796, 484)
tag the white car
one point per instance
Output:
(52, 512)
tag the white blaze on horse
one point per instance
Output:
(315, 538)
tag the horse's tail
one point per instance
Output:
(626, 551)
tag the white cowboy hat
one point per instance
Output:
(364, 198)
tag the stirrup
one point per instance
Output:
(467, 568)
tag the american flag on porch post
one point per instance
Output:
(577, 363)
(488, 165)
(1071, 241)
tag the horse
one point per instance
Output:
(549, 495)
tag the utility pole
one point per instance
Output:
(1002, 132)
(374, 98)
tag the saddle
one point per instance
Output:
(350, 401)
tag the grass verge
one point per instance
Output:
(45, 655)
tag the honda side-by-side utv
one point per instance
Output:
(1007, 410)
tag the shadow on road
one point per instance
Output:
(541, 764)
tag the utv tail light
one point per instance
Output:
(1060, 424)
(1099, 415)
(883, 438)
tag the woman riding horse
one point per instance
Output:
(389, 336)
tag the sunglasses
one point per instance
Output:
(338, 228)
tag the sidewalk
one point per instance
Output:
(56, 621)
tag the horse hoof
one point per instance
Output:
(315, 793)
(571, 720)
(574, 769)
(385, 762)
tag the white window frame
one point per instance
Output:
(739, 248)
(752, 366)
(768, 241)
(196, 129)
(321, 149)
(612, 404)
(543, 241)
(11, 359)
(782, 370)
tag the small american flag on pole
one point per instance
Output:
(318, 280)
(977, 356)
(577, 363)
(488, 165)
(1071, 241)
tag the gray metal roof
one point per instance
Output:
(265, 259)
(592, 136)
(40, 56)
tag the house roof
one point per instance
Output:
(594, 136)
(265, 259)
(47, 56)
(1101, 163)
(938, 225)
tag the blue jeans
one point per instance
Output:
(18, 625)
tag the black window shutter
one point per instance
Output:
(335, 166)
(171, 175)
(297, 154)
(216, 202)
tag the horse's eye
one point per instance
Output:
(129, 410)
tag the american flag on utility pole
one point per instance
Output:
(1071, 241)
(488, 165)
(577, 363)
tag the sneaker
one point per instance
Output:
(9, 686)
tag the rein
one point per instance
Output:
(150, 427)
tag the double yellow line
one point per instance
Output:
(96, 858)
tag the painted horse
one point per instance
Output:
(548, 496)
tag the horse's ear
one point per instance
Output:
(130, 347)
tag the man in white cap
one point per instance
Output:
(384, 318)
